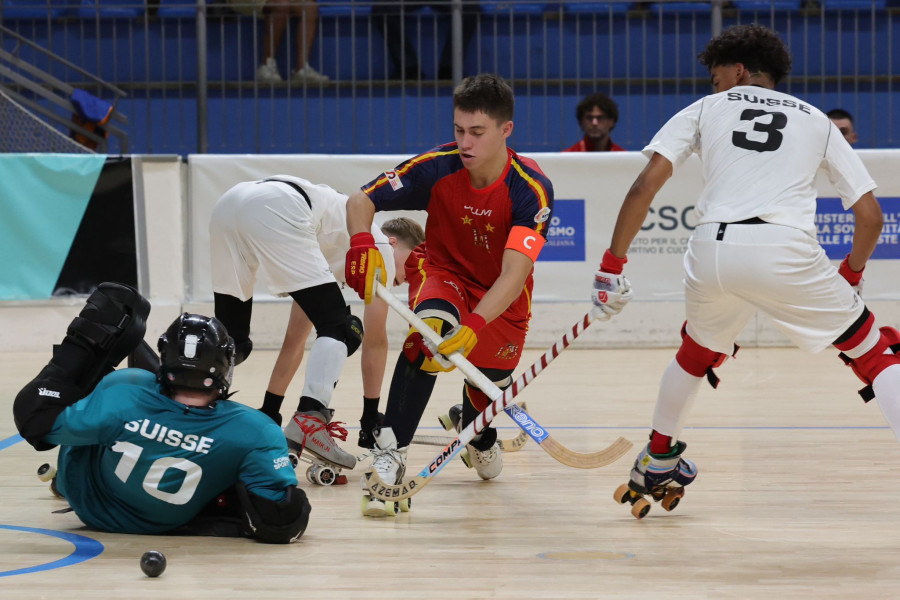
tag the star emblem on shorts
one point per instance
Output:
(489, 227)
(466, 220)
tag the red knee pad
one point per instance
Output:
(883, 355)
(699, 361)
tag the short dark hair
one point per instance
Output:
(839, 113)
(407, 231)
(604, 102)
(756, 47)
(487, 93)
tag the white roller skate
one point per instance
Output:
(390, 465)
(661, 477)
(487, 463)
(313, 432)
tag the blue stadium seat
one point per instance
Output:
(853, 4)
(504, 8)
(110, 9)
(581, 7)
(342, 8)
(669, 8)
(31, 9)
(767, 5)
(176, 9)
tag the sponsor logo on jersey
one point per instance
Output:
(393, 179)
(542, 215)
(478, 212)
(171, 437)
(46, 392)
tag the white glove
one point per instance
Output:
(610, 294)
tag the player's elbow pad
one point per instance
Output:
(274, 522)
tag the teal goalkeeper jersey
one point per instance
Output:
(133, 460)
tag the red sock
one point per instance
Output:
(660, 444)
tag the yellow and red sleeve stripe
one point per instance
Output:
(539, 191)
(416, 160)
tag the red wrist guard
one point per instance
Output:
(612, 263)
(473, 321)
(363, 238)
(852, 277)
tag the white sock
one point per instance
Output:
(887, 393)
(326, 360)
(677, 391)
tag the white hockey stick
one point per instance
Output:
(500, 401)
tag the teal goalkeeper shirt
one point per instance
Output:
(133, 460)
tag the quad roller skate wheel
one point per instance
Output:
(672, 498)
(446, 422)
(640, 506)
(373, 507)
(467, 460)
(46, 472)
(321, 475)
(295, 460)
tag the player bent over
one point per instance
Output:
(167, 453)
(754, 247)
(295, 233)
(488, 210)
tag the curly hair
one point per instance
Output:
(487, 93)
(606, 104)
(756, 47)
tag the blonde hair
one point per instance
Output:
(408, 232)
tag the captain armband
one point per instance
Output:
(525, 240)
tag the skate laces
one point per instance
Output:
(385, 460)
(310, 425)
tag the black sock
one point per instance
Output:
(370, 410)
(308, 404)
(408, 397)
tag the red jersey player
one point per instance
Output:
(488, 211)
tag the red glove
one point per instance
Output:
(612, 264)
(854, 278)
(363, 260)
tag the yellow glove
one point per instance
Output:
(463, 337)
(363, 260)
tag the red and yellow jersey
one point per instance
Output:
(468, 229)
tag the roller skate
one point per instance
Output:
(47, 473)
(483, 452)
(661, 477)
(310, 436)
(366, 437)
(390, 465)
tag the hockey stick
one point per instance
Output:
(511, 445)
(500, 400)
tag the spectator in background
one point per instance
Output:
(388, 19)
(844, 122)
(277, 14)
(597, 116)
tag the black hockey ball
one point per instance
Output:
(153, 563)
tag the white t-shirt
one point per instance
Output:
(329, 209)
(760, 151)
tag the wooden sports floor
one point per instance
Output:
(797, 497)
